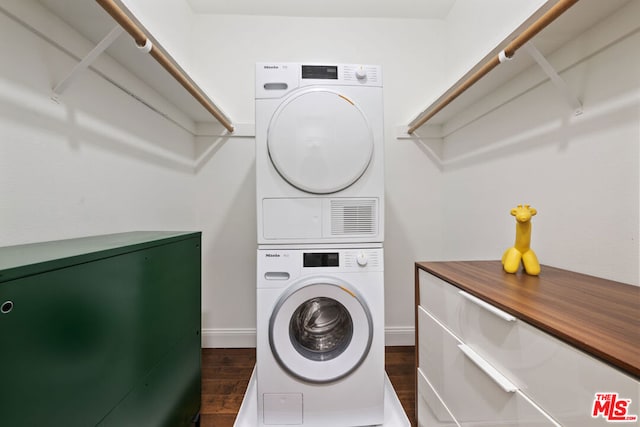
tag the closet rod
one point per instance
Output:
(143, 42)
(558, 9)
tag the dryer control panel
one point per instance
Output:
(273, 80)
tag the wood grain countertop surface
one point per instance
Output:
(598, 316)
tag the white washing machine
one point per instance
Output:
(319, 153)
(320, 336)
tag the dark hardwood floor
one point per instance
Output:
(401, 368)
(226, 372)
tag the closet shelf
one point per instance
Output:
(183, 101)
(551, 27)
(145, 43)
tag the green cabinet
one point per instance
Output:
(101, 331)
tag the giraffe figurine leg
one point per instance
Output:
(511, 260)
(530, 262)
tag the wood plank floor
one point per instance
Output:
(226, 372)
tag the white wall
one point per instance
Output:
(101, 162)
(474, 28)
(169, 23)
(580, 173)
(98, 162)
(410, 52)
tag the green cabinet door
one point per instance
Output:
(87, 333)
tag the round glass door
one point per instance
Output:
(320, 332)
(321, 328)
(319, 141)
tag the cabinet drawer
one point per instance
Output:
(441, 300)
(472, 396)
(558, 377)
(431, 410)
(447, 303)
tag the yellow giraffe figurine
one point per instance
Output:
(521, 250)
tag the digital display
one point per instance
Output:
(324, 259)
(320, 72)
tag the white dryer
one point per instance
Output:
(320, 337)
(319, 153)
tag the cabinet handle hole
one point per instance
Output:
(7, 306)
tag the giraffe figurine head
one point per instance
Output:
(523, 214)
(521, 251)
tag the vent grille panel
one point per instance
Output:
(354, 217)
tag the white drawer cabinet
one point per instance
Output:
(432, 411)
(489, 367)
(473, 396)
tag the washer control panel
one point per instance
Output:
(343, 260)
(285, 264)
(362, 259)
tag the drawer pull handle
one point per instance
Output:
(492, 372)
(501, 314)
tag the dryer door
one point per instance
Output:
(320, 331)
(319, 141)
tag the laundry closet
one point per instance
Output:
(96, 137)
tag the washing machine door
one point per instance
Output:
(320, 331)
(320, 141)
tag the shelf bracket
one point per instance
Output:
(86, 61)
(555, 77)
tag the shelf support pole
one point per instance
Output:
(86, 61)
(555, 77)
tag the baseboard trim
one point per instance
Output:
(399, 335)
(246, 337)
(229, 338)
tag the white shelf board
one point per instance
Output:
(575, 21)
(93, 23)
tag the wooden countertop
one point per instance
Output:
(598, 316)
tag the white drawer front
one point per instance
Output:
(472, 396)
(441, 300)
(448, 303)
(431, 410)
(558, 377)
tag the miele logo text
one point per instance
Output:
(272, 255)
(271, 67)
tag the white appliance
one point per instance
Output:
(319, 153)
(320, 336)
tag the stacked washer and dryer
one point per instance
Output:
(320, 210)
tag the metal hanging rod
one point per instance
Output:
(554, 12)
(145, 44)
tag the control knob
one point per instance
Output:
(362, 259)
(361, 74)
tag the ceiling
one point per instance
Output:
(420, 9)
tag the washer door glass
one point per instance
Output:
(319, 141)
(321, 328)
(320, 332)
